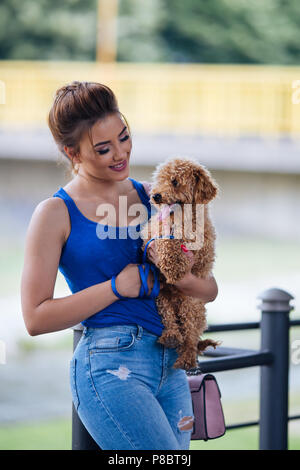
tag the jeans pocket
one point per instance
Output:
(73, 383)
(114, 342)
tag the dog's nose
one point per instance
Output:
(157, 197)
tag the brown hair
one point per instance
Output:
(76, 108)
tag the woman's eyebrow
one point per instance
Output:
(107, 141)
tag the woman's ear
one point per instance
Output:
(206, 188)
(71, 154)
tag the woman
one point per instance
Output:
(123, 385)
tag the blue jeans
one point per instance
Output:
(126, 392)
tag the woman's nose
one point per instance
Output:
(121, 153)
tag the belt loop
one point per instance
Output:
(139, 332)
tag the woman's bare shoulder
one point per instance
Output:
(52, 213)
(53, 206)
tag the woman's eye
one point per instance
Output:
(102, 152)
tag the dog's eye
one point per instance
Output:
(175, 182)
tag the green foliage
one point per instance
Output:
(201, 31)
(47, 29)
(232, 31)
(139, 31)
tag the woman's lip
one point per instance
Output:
(124, 163)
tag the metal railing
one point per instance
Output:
(165, 98)
(273, 359)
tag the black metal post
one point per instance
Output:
(274, 377)
(81, 439)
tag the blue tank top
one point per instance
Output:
(87, 260)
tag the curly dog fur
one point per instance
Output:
(183, 182)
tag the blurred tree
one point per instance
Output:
(232, 31)
(216, 31)
(140, 27)
(48, 29)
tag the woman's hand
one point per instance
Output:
(204, 289)
(128, 281)
(151, 253)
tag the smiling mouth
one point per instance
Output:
(120, 165)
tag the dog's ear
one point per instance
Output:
(206, 188)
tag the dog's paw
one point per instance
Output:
(170, 339)
(206, 343)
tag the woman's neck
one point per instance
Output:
(99, 188)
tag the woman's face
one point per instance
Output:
(109, 146)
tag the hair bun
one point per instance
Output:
(66, 88)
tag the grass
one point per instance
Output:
(244, 258)
(240, 439)
(48, 435)
(56, 435)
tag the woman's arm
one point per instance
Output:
(204, 289)
(43, 314)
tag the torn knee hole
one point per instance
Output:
(186, 423)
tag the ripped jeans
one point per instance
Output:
(126, 392)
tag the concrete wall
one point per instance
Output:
(249, 203)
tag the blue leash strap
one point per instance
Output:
(156, 286)
(144, 276)
(113, 285)
(151, 239)
(144, 285)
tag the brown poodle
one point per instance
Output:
(181, 190)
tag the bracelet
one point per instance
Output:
(113, 286)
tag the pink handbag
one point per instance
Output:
(209, 420)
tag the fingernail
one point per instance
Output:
(184, 248)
